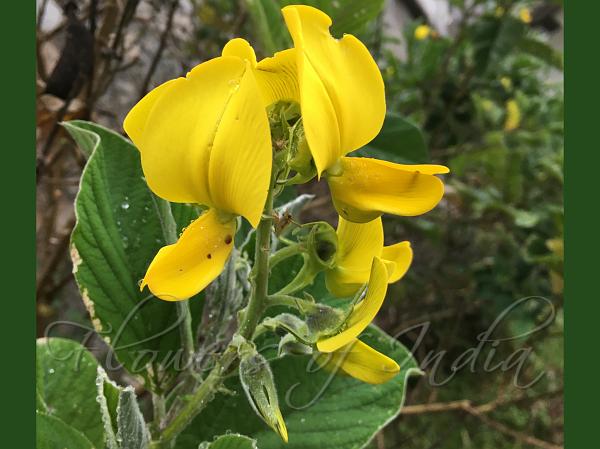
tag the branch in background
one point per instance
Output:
(480, 412)
(161, 48)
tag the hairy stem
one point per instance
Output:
(260, 274)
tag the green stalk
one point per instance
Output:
(258, 300)
(284, 253)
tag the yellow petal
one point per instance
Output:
(400, 254)
(358, 244)
(181, 270)
(240, 48)
(364, 312)
(341, 88)
(362, 362)
(136, 120)
(277, 78)
(367, 188)
(212, 117)
(240, 162)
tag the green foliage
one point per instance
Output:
(232, 441)
(398, 141)
(322, 410)
(118, 231)
(53, 433)
(66, 383)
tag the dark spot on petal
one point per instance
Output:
(209, 256)
(228, 239)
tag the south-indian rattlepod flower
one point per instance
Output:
(342, 101)
(344, 351)
(203, 139)
(357, 245)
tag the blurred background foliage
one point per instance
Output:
(476, 85)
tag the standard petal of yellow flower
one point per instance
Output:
(362, 362)
(422, 32)
(358, 244)
(277, 77)
(181, 270)
(364, 312)
(401, 255)
(341, 88)
(240, 48)
(513, 115)
(137, 119)
(240, 162)
(367, 188)
(211, 120)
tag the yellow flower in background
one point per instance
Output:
(513, 115)
(203, 139)
(499, 12)
(525, 15)
(345, 351)
(342, 100)
(506, 82)
(358, 245)
(422, 32)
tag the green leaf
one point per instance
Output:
(117, 234)
(543, 51)
(53, 433)
(493, 39)
(321, 410)
(132, 433)
(66, 383)
(398, 141)
(268, 24)
(232, 441)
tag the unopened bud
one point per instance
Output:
(258, 383)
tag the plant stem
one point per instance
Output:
(290, 301)
(186, 335)
(199, 399)
(284, 253)
(260, 274)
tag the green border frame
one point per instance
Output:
(582, 79)
(17, 184)
(582, 304)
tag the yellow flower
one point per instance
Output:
(513, 115)
(422, 32)
(345, 352)
(358, 245)
(203, 139)
(525, 15)
(342, 101)
(506, 82)
(499, 12)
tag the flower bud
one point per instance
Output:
(258, 383)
